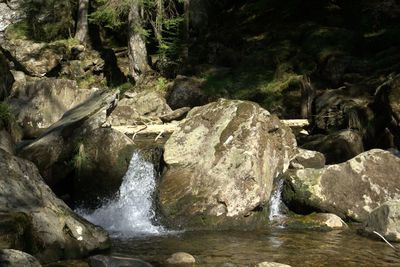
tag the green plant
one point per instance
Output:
(80, 159)
(5, 114)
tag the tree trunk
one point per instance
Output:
(82, 25)
(307, 98)
(137, 52)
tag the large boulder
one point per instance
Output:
(100, 163)
(350, 190)
(55, 148)
(139, 108)
(55, 231)
(9, 14)
(337, 147)
(221, 162)
(40, 103)
(307, 159)
(16, 258)
(385, 220)
(13, 231)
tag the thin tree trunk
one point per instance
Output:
(137, 52)
(307, 98)
(82, 25)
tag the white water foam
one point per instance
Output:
(276, 201)
(131, 212)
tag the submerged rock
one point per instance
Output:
(16, 258)
(114, 261)
(55, 232)
(315, 221)
(385, 220)
(221, 162)
(350, 190)
(271, 264)
(181, 259)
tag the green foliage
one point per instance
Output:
(19, 30)
(80, 158)
(51, 19)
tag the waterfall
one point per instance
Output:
(130, 212)
(276, 201)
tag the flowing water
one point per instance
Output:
(130, 219)
(130, 212)
(275, 202)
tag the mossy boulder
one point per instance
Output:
(221, 162)
(350, 190)
(16, 258)
(55, 232)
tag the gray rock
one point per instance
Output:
(271, 264)
(9, 14)
(40, 103)
(385, 220)
(221, 162)
(113, 261)
(55, 231)
(186, 92)
(308, 159)
(14, 227)
(337, 147)
(16, 258)
(177, 114)
(350, 190)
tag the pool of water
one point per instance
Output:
(296, 248)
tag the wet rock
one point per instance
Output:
(271, 264)
(101, 160)
(221, 162)
(350, 190)
(6, 77)
(186, 92)
(16, 258)
(113, 261)
(68, 263)
(53, 151)
(308, 159)
(40, 103)
(141, 108)
(181, 259)
(337, 147)
(55, 231)
(315, 221)
(385, 220)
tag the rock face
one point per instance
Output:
(15, 258)
(40, 103)
(101, 161)
(9, 14)
(337, 147)
(186, 92)
(56, 147)
(14, 227)
(55, 231)
(350, 190)
(6, 142)
(221, 162)
(385, 220)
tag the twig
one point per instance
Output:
(134, 135)
(384, 239)
(159, 135)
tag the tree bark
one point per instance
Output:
(137, 52)
(82, 25)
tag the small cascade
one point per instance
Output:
(130, 212)
(276, 202)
